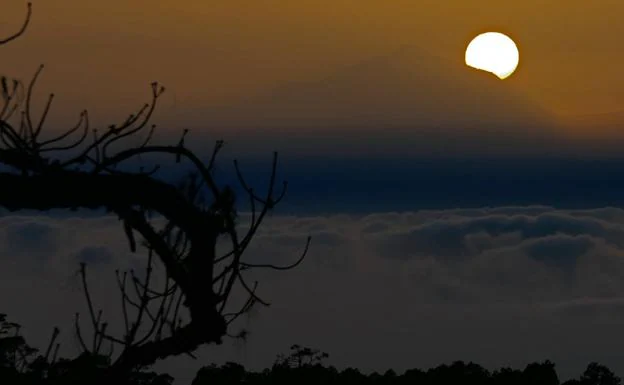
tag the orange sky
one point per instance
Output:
(103, 54)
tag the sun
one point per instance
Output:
(493, 52)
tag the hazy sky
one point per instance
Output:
(470, 202)
(218, 52)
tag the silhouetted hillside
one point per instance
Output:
(21, 364)
(458, 372)
(404, 88)
(403, 103)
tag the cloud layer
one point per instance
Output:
(501, 286)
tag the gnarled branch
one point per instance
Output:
(92, 175)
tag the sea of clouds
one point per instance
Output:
(500, 286)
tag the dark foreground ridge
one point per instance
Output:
(20, 364)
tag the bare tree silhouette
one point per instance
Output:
(90, 171)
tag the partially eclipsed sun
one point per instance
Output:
(493, 52)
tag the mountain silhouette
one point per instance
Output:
(403, 97)
(405, 88)
(596, 125)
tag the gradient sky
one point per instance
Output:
(221, 52)
(485, 211)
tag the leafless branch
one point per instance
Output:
(21, 30)
(91, 173)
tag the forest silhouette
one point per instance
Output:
(21, 364)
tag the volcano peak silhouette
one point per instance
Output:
(403, 89)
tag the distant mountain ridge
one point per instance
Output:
(598, 124)
(405, 88)
(403, 103)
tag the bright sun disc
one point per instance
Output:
(493, 52)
